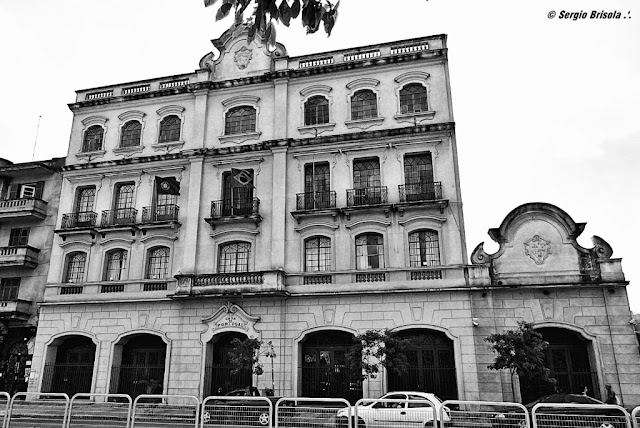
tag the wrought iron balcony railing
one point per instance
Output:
(320, 200)
(376, 195)
(249, 207)
(160, 213)
(79, 219)
(429, 191)
(119, 217)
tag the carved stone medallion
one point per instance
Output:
(243, 57)
(538, 249)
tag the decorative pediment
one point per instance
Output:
(230, 317)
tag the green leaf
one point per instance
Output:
(295, 9)
(223, 12)
(285, 13)
(273, 10)
(208, 3)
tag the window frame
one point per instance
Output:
(413, 78)
(230, 111)
(9, 289)
(123, 268)
(19, 237)
(82, 270)
(128, 136)
(162, 122)
(364, 117)
(86, 147)
(305, 95)
(248, 258)
(164, 266)
(423, 257)
(327, 266)
(380, 250)
(316, 114)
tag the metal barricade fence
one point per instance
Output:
(5, 399)
(393, 413)
(635, 417)
(480, 414)
(105, 410)
(156, 411)
(551, 415)
(311, 412)
(36, 409)
(231, 411)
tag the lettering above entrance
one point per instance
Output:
(230, 317)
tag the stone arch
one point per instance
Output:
(69, 363)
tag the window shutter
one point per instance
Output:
(13, 191)
(39, 189)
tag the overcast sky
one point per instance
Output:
(546, 109)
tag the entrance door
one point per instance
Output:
(72, 372)
(326, 372)
(142, 369)
(221, 376)
(431, 366)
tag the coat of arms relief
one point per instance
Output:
(538, 249)
(243, 57)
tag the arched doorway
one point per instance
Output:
(432, 366)
(139, 365)
(568, 359)
(325, 369)
(71, 368)
(220, 376)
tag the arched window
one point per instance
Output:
(316, 110)
(93, 139)
(234, 257)
(75, 267)
(364, 105)
(424, 248)
(413, 98)
(369, 251)
(158, 263)
(115, 265)
(130, 135)
(170, 129)
(240, 120)
(317, 254)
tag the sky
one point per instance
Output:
(546, 109)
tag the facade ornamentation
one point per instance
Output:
(243, 57)
(538, 249)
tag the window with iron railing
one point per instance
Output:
(424, 248)
(240, 120)
(413, 99)
(418, 177)
(237, 194)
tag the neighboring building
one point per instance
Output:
(29, 194)
(300, 200)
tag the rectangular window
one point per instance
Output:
(19, 237)
(26, 190)
(158, 263)
(234, 257)
(317, 186)
(237, 193)
(124, 196)
(366, 182)
(84, 199)
(9, 289)
(418, 177)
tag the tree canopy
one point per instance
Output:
(261, 20)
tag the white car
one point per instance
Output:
(400, 409)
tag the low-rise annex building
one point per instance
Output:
(301, 201)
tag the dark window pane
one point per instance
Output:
(316, 110)
(116, 265)
(170, 129)
(366, 173)
(158, 263)
(369, 251)
(124, 196)
(9, 288)
(93, 139)
(75, 267)
(19, 237)
(317, 252)
(364, 105)
(84, 202)
(240, 120)
(234, 257)
(413, 98)
(424, 248)
(130, 134)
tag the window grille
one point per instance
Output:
(369, 251)
(116, 265)
(366, 173)
(75, 267)
(158, 263)
(364, 105)
(424, 248)
(19, 237)
(240, 120)
(124, 196)
(130, 134)
(316, 110)
(9, 289)
(234, 257)
(413, 98)
(93, 139)
(170, 129)
(85, 198)
(317, 254)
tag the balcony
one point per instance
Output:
(142, 289)
(25, 208)
(19, 256)
(119, 219)
(159, 216)
(232, 212)
(312, 204)
(244, 283)
(15, 309)
(367, 198)
(421, 195)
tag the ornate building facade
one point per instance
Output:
(301, 201)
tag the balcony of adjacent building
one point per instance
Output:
(141, 289)
(229, 284)
(23, 209)
(373, 198)
(230, 211)
(421, 195)
(19, 256)
(315, 204)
